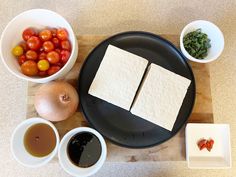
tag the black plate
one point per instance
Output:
(117, 124)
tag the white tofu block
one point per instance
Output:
(160, 97)
(118, 77)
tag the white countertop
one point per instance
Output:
(109, 17)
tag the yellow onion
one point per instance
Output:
(56, 101)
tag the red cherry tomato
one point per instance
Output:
(54, 32)
(29, 68)
(65, 45)
(59, 64)
(48, 46)
(58, 50)
(27, 33)
(42, 73)
(53, 57)
(23, 44)
(65, 55)
(62, 34)
(56, 42)
(53, 69)
(45, 35)
(21, 59)
(42, 56)
(34, 43)
(31, 55)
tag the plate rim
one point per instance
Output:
(155, 36)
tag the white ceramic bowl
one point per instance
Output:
(68, 166)
(214, 34)
(38, 18)
(17, 144)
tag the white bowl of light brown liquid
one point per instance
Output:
(34, 142)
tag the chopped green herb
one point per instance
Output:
(197, 44)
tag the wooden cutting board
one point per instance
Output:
(171, 150)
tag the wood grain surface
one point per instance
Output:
(171, 150)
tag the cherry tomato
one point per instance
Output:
(34, 43)
(27, 33)
(59, 64)
(21, 59)
(43, 65)
(48, 46)
(42, 56)
(29, 68)
(53, 57)
(62, 34)
(56, 42)
(53, 69)
(58, 50)
(24, 46)
(54, 32)
(31, 55)
(65, 45)
(41, 49)
(45, 35)
(65, 55)
(42, 73)
(17, 51)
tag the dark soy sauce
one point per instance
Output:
(84, 149)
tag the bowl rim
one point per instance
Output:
(33, 121)
(187, 55)
(48, 78)
(69, 135)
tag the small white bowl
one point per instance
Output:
(17, 144)
(214, 34)
(37, 18)
(220, 154)
(68, 166)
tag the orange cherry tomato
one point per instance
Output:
(65, 45)
(53, 57)
(31, 55)
(48, 46)
(29, 68)
(45, 35)
(62, 34)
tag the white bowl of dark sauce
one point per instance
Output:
(82, 152)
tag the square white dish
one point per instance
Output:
(220, 154)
